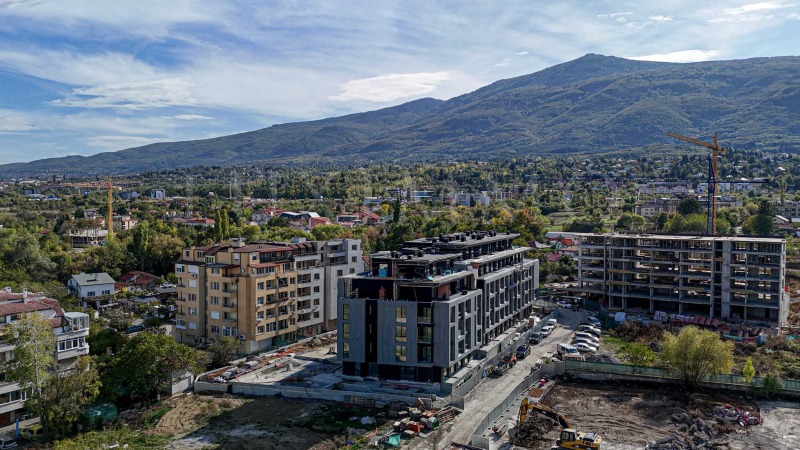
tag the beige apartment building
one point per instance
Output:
(264, 294)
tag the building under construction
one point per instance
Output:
(718, 277)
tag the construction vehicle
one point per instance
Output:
(569, 439)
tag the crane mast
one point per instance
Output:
(713, 176)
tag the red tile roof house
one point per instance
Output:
(70, 329)
(201, 222)
(138, 280)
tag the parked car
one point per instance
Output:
(510, 359)
(535, 338)
(523, 351)
(552, 322)
(7, 442)
(546, 330)
(584, 347)
(564, 304)
(31, 432)
(594, 320)
(589, 329)
(588, 337)
(135, 328)
(566, 351)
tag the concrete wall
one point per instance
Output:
(258, 390)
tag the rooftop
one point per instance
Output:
(685, 238)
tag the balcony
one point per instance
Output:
(425, 339)
(424, 319)
(229, 305)
(230, 289)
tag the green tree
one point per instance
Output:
(325, 232)
(396, 212)
(749, 371)
(782, 187)
(34, 363)
(146, 364)
(689, 206)
(68, 394)
(222, 350)
(630, 222)
(758, 225)
(696, 354)
(140, 244)
(638, 354)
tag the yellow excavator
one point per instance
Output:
(569, 439)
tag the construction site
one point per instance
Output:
(625, 416)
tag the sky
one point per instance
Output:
(83, 77)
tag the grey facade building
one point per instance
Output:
(421, 313)
(718, 277)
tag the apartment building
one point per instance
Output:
(790, 209)
(421, 313)
(719, 277)
(264, 294)
(650, 209)
(70, 328)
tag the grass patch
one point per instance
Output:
(336, 420)
(153, 416)
(97, 439)
(612, 341)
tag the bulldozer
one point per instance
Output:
(569, 439)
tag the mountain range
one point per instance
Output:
(594, 104)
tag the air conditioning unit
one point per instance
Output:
(242, 337)
(259, 320)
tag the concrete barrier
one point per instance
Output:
(202, 386)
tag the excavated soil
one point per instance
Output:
(661, 418)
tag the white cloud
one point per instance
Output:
(387, 88)
(753, 7)
(521, 53)
(119, 142)
(192, 117)
(138, 95)
(749, 13)
(660, 18)
(794, 16)
(615, 16)
(11, 122)
(683, 56)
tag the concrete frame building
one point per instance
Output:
(718, 277)
(422, 313)
(264, 294)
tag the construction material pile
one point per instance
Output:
(532, 433)
(699, 433)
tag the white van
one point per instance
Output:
(552, 322)
(567, 351)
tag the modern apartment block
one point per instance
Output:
(719, 277)
(70, 328)
(421, 313)
(264, 294)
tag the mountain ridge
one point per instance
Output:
(592, 104)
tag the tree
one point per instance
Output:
(67, 395)
(146, 364)
(749, 371)
(782, 187)
(689, 206)
(396, 212)
(222, 350)
(696, 354)
(638, 354)
(34, 363)
(630, 222)
(758, 225)
(140, 245)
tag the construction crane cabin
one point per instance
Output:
(713, 176)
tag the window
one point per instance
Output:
(352, 270)
(316, 302)
(345, 350)
(106, 292)
(400, 353)
(260, 314)
(345, 331)
(215, 271)
(355, 247)
(90, 294)
(180, 324)
(339, 273)
(272, 327)
(287, 267)
(192, 283)
(236, 257)
(192, 325)
(254, 257)
(354, 259)
(180, 268)
(260, 329)
(215, 328)
(260, 285)
(229, 331)
(214, 300)
(400, 313)
(214, 314)
(69, 344)
(400, 334)
(316, 315)
(316, 288)
(215, 285)
(192, 297)
(192, 311)
(346, 312)
(260, 300)
(316, 276)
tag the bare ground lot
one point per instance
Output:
(628, 417)
(206, 422)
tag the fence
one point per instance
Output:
(494, 414)
(657, 372)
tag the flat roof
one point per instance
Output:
(685, 237)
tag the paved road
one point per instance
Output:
(491, 391)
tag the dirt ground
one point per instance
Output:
(630, 417)
(207, 422)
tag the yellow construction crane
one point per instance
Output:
(713, 176)
(99, 185)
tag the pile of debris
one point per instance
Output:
(699, 433)
(532, 433)
(414, 420)
(733, 414)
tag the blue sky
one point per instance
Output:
(84, 77)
